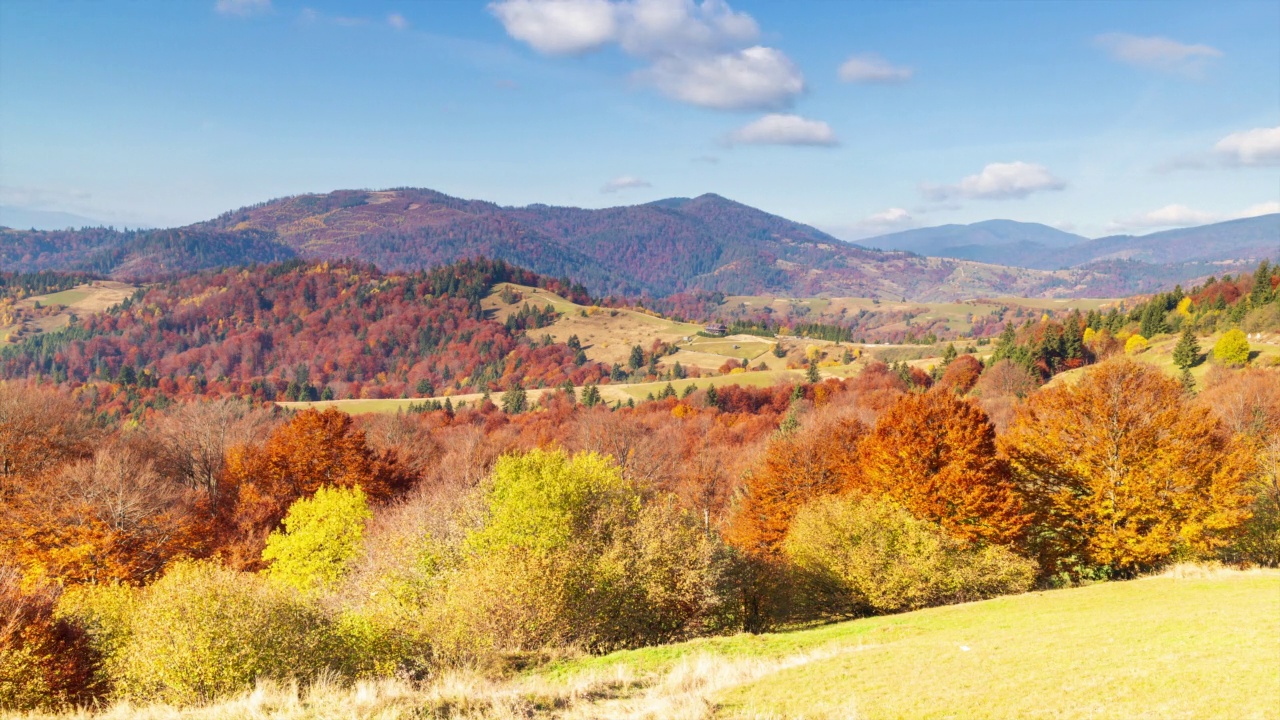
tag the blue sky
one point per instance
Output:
(859, 118)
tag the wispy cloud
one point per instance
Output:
(1158, 53)
(624, 182)
(397, 21)
(242, 8)
(778, 129)
(702, 54)
(997, 181)
(871, 68)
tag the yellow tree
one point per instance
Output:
(1122, 472)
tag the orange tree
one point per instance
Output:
(935, 454)
(797, 468)
(1122, 473)
(314, 449)
(110, 517)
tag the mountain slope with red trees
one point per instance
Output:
(306, 331)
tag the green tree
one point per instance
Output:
(1153, 320)
(636, 361)
(949, 354)
(1261, 293)
(515, 400)
(591, 396)
(713, 397)
(811, 375)
(1232, 348)
(1187, 352)
(321, 535)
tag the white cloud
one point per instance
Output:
(1158, 53)
(1175, 216)
(624, 182)
(242, 8)
(397, 21)
(887, 221)
(651, 28)
(871, 68)
(1266, 208)
(757, 78)
(892, 216)
(559, 26)
(700, 53)
(1168, 216)
(778, 129)
(998, 181)
(1259, 146)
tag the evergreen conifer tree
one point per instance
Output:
(515, 400)
(1187, 352)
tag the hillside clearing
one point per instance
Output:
(85, 299)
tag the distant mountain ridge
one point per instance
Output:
(658, 248)
(678, 244)
(1032, 245)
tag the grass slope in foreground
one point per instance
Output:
(1190, 644)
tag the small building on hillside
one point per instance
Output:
(715, 329)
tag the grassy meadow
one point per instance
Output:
(1194, 642)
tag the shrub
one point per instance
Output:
(566, 555)
(46, 662)
(856, 555)
(203, 631)
(1232, 348)
(1135, 344)
(321, 535)
(105, 614)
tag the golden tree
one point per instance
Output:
(1122, 472)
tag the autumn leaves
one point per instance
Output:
(1109, 476)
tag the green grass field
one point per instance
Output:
(1202, 646)
(742, 349)
(66, 297)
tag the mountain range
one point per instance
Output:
(1032, 245)
(656, 249)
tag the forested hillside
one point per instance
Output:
(304, 331)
